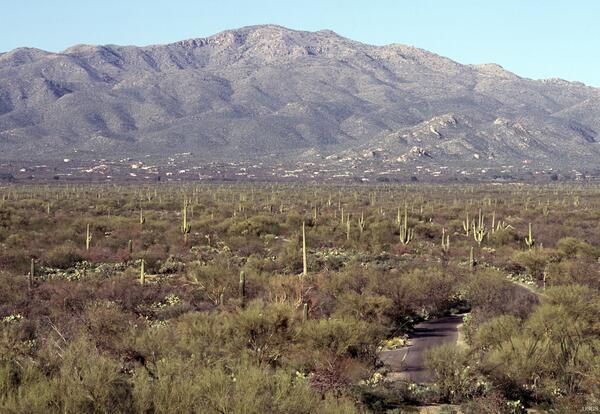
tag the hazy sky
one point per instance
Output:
(534, 38)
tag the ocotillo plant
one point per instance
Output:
(529, 240)
(142, 272)
(88, 237)
(304, 261)
(406, 233)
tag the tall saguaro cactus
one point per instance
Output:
(471, 258)
(479, 230)
(88, 237)
(529, 240)
(242, 286)
(361, 223)
(348, 229)
(143, 272)
(142, 218)
(185, 227)
(304, 261)
(31, 275)
(406, 233)
(466, 225)
(445, 240)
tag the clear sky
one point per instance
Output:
(533, 38)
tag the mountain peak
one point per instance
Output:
(22, 55)
(494, 69)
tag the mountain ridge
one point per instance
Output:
(258, 90)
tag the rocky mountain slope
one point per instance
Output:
(261, 90)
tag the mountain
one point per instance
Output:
(269, 90)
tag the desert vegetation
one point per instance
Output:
(276, 298)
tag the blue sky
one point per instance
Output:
(533, 38)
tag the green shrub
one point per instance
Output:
(63, 256)
(454, 372)
(496, 331)
(178, 386)
(342, 337)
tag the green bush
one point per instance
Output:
(63, 256)
(342, 337)
(454, 373)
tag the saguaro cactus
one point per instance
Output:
(445, 241)
(479, 230)
(185, 227)
(406, 233)
(361, 223)
(88, 237)
(143, 272)
(31, 274)
(466, 225)
(130, 246)
(545, 210)
(348, 229)
(304, 261)
(242, 287)
(304, 312)
(529, 240)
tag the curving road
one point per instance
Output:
(409, 362)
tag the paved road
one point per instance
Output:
(409, 362)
